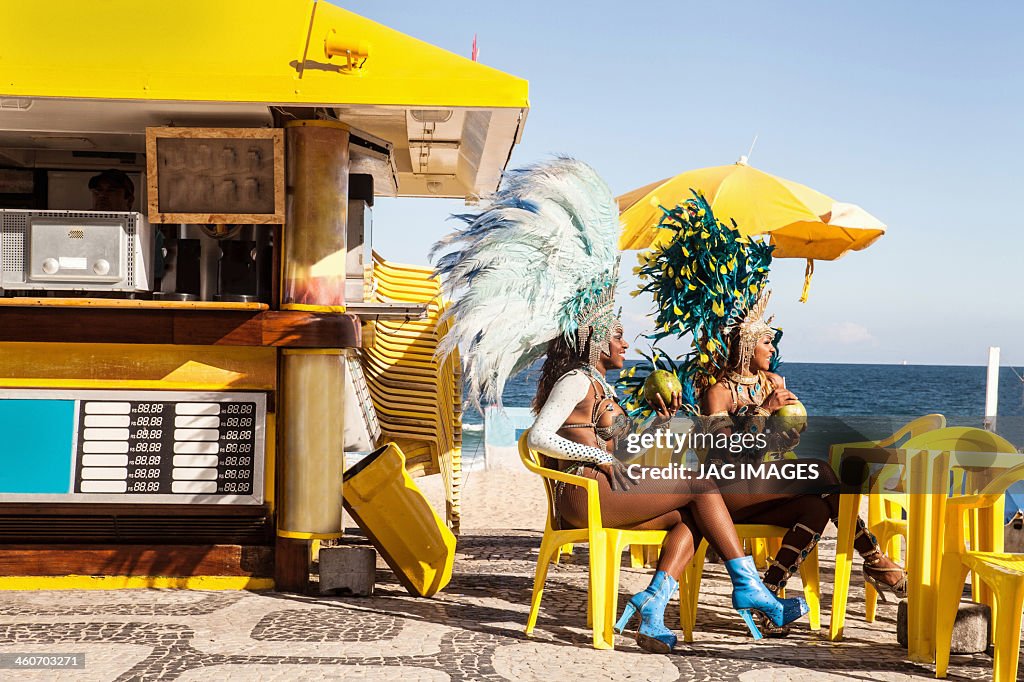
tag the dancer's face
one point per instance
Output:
(763, 352)
(617, 347)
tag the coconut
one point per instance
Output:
(661, 382)
(792, 416)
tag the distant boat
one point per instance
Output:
(904, 363)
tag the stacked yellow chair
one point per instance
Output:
(1001, 572)
(418, 399)
(606, 547)
(886, 504)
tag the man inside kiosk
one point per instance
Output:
(112, 190)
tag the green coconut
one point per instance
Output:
(661, 382)
(792, 416)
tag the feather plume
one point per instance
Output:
(521, 270)
(705, 281)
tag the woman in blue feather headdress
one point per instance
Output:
(534, 273)
(709, 282)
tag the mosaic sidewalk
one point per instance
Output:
(471, 631)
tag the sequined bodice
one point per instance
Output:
(749, 394)
(604, 403)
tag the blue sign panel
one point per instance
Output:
(36, 445)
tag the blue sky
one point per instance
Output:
(911, 110)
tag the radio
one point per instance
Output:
(75, 251)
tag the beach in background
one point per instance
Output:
(866, 398)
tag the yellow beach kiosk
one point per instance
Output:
(180, 372)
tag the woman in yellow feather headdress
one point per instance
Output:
(709, 282)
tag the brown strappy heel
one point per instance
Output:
(871, 561)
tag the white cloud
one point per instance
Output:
(847, 334)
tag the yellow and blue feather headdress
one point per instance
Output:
(705, 280)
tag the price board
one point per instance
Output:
(124, 446)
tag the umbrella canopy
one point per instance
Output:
(801, 222)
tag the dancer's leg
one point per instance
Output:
(680, 543)
(749, 501)
(650, 499)
(806, 516)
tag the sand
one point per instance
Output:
(496, 499)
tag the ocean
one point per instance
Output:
(846, 402)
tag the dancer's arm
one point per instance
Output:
(720, 416)
(565, 395)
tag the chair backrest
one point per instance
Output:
(912, 429)
(960, 439)
(531, 459)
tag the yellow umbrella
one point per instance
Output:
(801, 222)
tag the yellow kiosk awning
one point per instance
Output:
(452, 121)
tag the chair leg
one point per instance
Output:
(809, 575)
(870, 603)
(760, 553)
(692, 575)
(685, 610)
(846, 527)
(971, 538)
(544, 557)
(989, 533)
(870, 593)
(636, 556)
(1010, 599)
(612, 572)
(951, 584)
(598, 587)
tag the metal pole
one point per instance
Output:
(992, 388)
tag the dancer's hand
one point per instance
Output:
(778, 398)
(618, 475)
(789, 439)
(666, 412)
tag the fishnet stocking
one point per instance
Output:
(786, 503)
(672, 505)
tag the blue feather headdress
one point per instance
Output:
(707, 280)
(539, 261)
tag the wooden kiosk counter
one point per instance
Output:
(186, 292)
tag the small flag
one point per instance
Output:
(476, 52)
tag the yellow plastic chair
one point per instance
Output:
(924, 541)
(885, 507)
(1003, 573)
(606, 546)
(809, 574)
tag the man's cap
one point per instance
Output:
(115, 178)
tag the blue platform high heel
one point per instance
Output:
(749, 594)
(652, 635)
